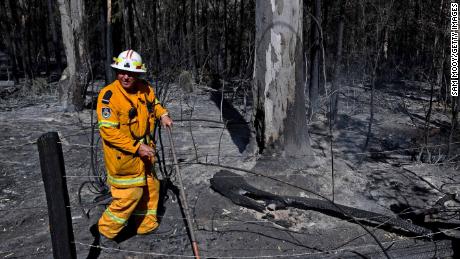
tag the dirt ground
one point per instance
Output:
(391, 177)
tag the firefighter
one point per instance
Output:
(127, 110)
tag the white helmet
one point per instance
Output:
(129, 60)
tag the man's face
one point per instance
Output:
(127, 79)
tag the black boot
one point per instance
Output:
(109, 245)
(106, 244)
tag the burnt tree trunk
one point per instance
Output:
(315, 59)
(240, 43)
(156, 44)
(279, 100)
(108, 44)
(10, 36)
(44, 45)
(54, 35)
(337, 64)
(193, 38)
(25, 39)
(126, 28)
(204, 25)
(225, 47)
(216, 43)
(17, 35)
(184, 35)
(74, 81)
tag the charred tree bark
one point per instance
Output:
(204, 24)
(54, 35)
(74, 82)
(427, 123)
(126, 28)
(184, 37)
(11, 43)
(193, 38)
(25, 40)
(376, 72)
(177, 38)
(315, 59)
(138, 20)
(156, 45)
(44, 44)
(128, 24)
(279, 101)
(337, 64)
(12, 6)
(371, 102)
(225, 47)
(240, 44)
(108, 44)
(216, 42)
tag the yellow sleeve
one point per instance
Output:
(109, 126)
(157, 108)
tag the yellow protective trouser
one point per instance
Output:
(141, 202)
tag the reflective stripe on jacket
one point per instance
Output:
(122, 134)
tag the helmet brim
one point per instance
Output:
(121, 68)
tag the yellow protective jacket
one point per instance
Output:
(125, 121)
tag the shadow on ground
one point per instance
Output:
(236, 124)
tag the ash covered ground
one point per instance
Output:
(392, 177)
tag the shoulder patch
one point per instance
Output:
(106, 97)
(106, 112)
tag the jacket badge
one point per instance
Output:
(106, 112)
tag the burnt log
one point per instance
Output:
(234, 187)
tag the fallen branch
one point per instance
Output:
(234, 187)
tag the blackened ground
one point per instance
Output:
(383, 179)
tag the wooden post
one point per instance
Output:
(57, 196)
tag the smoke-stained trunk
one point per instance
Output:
(278, 90)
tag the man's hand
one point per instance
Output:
(146, 151)
(166, 121)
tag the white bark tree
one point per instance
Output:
(279, 114)
(75, 79)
